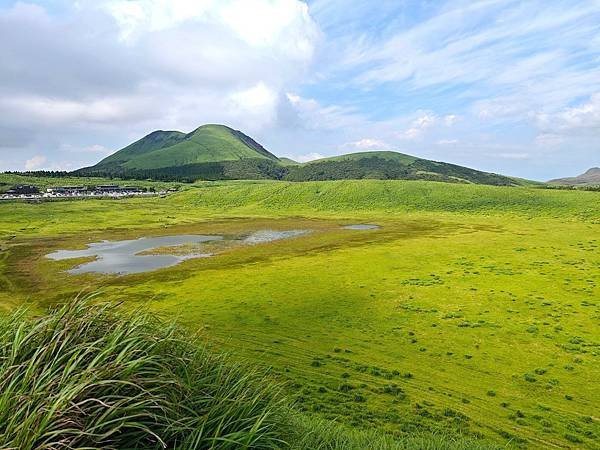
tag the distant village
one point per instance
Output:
(30, 192)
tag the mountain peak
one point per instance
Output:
(206, 144)
(593, 171)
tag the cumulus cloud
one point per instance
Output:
(425, 122)
(366, 144)
(95, 149)
(584, 118)
(121, 68)
(259, 103)
(466, 81)
(35, 163)
(309, 157)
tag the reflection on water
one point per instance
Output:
(123, 257)
(362, 226)
(134, 256)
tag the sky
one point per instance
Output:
(505, 86)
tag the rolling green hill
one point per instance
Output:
(392, 166)
(166, 149)
(217, 152)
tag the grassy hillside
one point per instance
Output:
(154, 141)
(163, 149)
(388, 196)
(391, 166)
(471, 312)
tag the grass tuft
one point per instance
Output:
(91, 375)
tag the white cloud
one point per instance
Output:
(272, 23)
(418, 127)
(118, 69)
(91, 149)
(280, 25)
(584, 118)
(451, 119)
(366, 144)
(309, 157)
(258, 102)
(53, 111)
(310, 114)
(35, 163)
(447, 141)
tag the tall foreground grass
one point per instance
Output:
(90, 375)
(87, 376)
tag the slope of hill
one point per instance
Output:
(217, 152)
(167, 149)
(592, 176)
(391, 166)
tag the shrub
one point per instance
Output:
(345, 387)
(573, 438)
(529, 377)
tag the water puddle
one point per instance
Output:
(361, 226)
(152, 253)
(262, 236)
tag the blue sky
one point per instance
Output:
(505, 86)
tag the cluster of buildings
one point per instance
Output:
(108, 190)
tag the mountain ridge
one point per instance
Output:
(218, 152)
(591, 176)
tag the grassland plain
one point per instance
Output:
(474, 309)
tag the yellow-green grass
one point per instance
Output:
(474, 309)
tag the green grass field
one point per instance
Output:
(474, 310)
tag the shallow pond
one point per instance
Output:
(135, 256)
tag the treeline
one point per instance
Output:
(42, 173)
(593, 188)
(246, 169)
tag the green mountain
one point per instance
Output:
(217, 152)
(168, 149)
